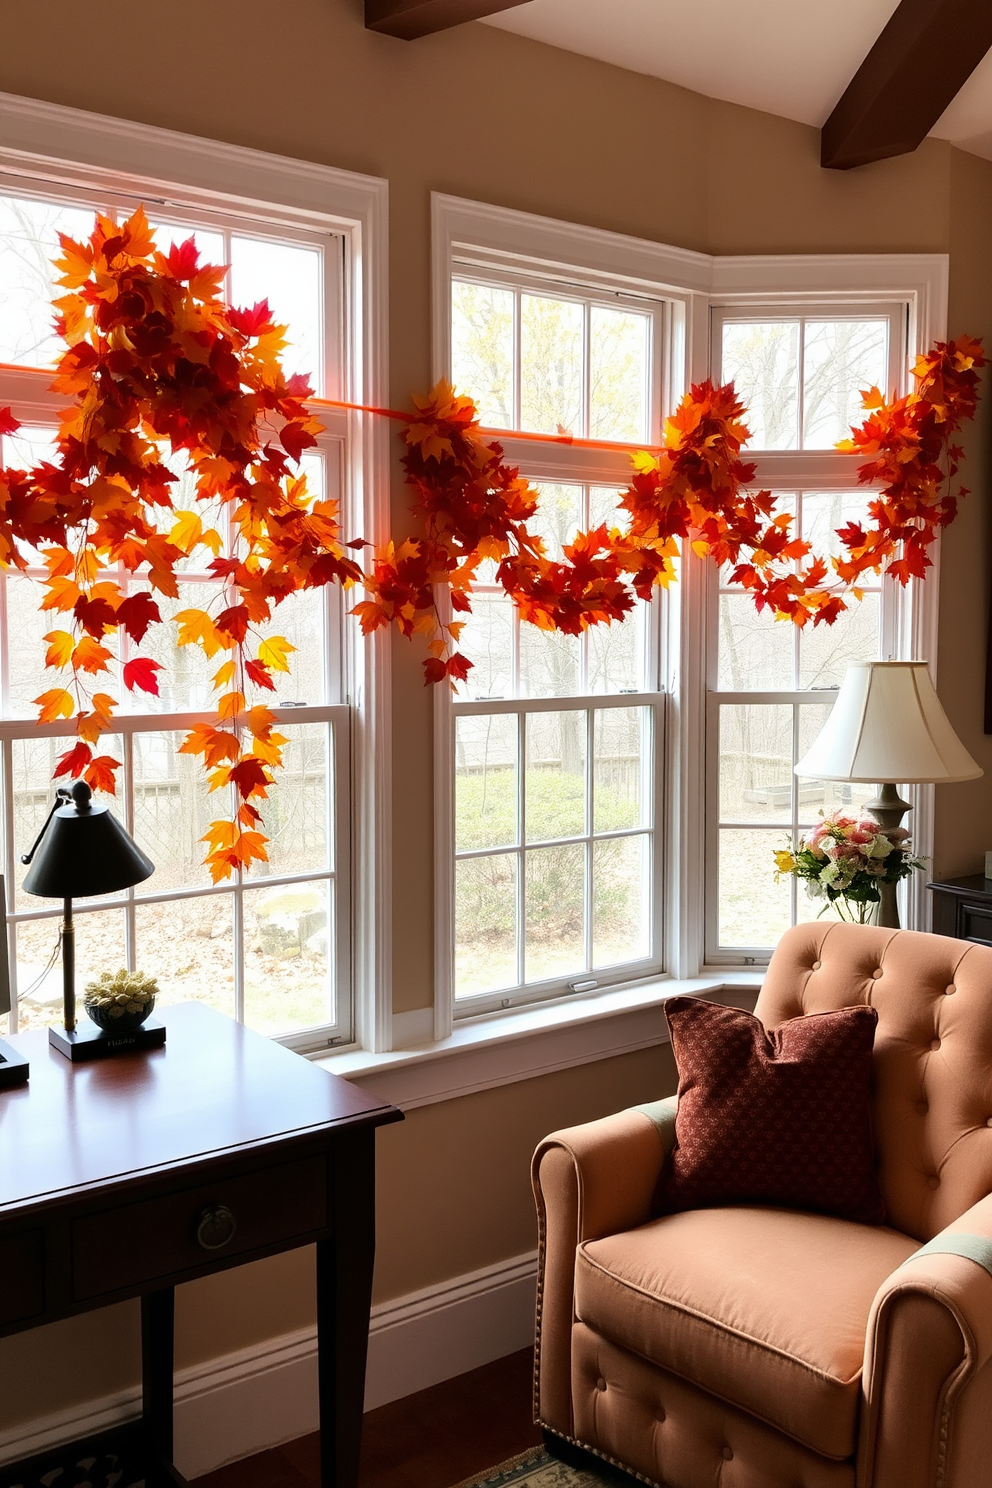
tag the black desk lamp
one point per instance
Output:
(83, 850)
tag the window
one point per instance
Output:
(277, 949)
(553, 325)
(553, 842)
(800, 374)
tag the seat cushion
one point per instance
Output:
(765, 1308)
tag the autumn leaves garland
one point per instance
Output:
(474, 507)
(157, 364)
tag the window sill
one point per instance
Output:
(488, 1051)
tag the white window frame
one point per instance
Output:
(86, 152)
(692, 284)
(910, 289)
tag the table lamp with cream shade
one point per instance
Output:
(886, 726)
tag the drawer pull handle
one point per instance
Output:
(216, 1228)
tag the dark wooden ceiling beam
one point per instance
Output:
(927, 51)
(409, 19)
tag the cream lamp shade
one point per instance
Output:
(887, 725)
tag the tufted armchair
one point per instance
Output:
(766, 1348)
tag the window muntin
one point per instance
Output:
(772, 683)
(273, 949)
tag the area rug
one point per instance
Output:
(537, 1469)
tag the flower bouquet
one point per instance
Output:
(844, 860)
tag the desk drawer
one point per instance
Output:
(136, 1244)
(22, 1277)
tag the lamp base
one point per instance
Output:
(888, 808)
(83, 1044)
(14, 1068)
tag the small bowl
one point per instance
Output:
(117, 1017)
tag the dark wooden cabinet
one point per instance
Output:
(962, 907)
(124, 1177)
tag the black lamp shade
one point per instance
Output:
(85, 851)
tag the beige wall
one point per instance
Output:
(480, 113)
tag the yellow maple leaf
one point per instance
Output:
(186, 531)
(54, 704)
(273, 653)
(197, 629)
(60, 648)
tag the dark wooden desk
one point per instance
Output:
(962, 907)
(123, 1177)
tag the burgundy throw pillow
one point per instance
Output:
(772, 1118)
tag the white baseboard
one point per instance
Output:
(259, 1397)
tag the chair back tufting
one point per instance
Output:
(932, 1100)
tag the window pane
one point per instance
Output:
(210, 244)
(755, 763)
(487, 641)
(33, 761)
(485, 782)
(299, 619)
(558, 516)
(756, 650)
(288, 972)
(618, 391)
(754, 909)
(616, 653)
(824, 795)
(826, 651)
(842, 359)
(185, 681)
(100, 947)
(27, 624)
(762, 360)
(550, 662)
(621, 888)
(172, 809)
(289, 277)
(295, 816)
(555, 943)
(621, 787)
(823, 512)
(551, 365)
(188, 944)
(555, 795)
(485, 924)
(28, 243)
(32, 444)
(482, 350)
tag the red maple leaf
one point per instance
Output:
(234, 622)
(295, 439)
(74, 761)
(136, 613)
(249, 776)
(183, 259)
(250, 321)
(259, 674)
(140, 673)
(94, 615)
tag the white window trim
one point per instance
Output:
(693, 282)
(70, 147)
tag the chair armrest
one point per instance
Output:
(589, 1181)
(928, 1394)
